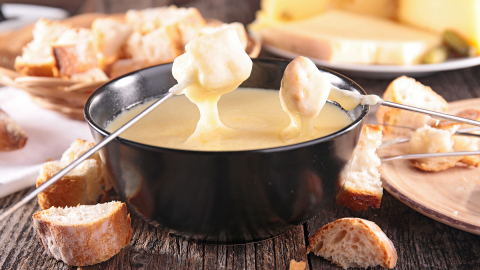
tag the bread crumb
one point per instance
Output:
(294, 265)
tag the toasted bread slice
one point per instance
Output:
(37, 58)
(109, 36)
(405, 90)
(74, 52)
(362, 186)
(146, 20)
(84, 235)
(12, 136)
(432, 140)
(85, 184)
(76, 187)
(77, 149)
(353, 242)
(157, 47)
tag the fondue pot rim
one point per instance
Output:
(346, 129)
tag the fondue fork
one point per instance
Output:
(374, 99)
(431, 155)
(172, 91)
(460, 132)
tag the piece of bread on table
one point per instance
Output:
(85, 234)
(109, 36)
(77, 149)
(407, 91)
(361, 184)
(156, 47)
(37, 58)
(294, 265)
(353, 242)
(146, 20)
(12, 136)
(433, 140)
(74, 52)
(85, 184)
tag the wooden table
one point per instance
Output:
(421, 242)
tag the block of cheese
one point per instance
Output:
(439, 15)
(383, 8)
(273, 11)
(287, 10)
(341, 36)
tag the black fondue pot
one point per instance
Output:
(228, 197)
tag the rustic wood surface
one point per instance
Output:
(421, 242)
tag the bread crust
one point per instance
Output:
(70, 190)
(71, 61)
(396, 117)
(388, 253)
(358, 198)
(88, 243)
(12, 136)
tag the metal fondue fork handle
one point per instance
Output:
(435, 115)
(431, 155)
(174, 90)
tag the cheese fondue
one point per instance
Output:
(213, 65)
(303, 93)
(254, 118)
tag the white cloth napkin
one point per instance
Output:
(49, 135)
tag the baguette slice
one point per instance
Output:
(353, 242)
(432, 140)
(157, 47)
(12, 136)
(109, 36)
(37, 58)
(405, 90)
(146, 20)
(74, 52)
(362, 186)
(85, 184)
(84, 235)
(79, 186)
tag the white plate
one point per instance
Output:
(19, 15)
(384, 71)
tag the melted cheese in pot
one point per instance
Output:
(254, 118)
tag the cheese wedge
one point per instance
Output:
(439, 15)
(382, 8)
(340, 36)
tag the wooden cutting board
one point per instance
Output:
(451, 196)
